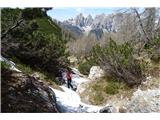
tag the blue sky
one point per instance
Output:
(62, 14)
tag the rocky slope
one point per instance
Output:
(144, 101)
(27, 93)
(136, 100)
(24, 93)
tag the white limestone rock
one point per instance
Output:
(95, 73)
(144, 102)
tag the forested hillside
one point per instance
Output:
(34, 42)
(32, 38)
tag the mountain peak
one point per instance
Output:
(88, 20)
(87, 24)
(89, 16)
(81, 14)
(79, 20)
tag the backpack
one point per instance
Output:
(68, 75)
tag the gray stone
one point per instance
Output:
(95, 73)
(108, 109)
(26, 94)
(35, 75)
(144, 102)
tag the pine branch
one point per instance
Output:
(11, 28)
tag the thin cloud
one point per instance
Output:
(79, 10)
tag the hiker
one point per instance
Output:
(69, 79)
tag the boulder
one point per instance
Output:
(108, 109)
(122, 109)
(24, 93)
(73, 60)
(35, 75)
(95, 73)
(144, 102)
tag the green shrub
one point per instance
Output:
(37, 42)
(84, 68)
(97, 87)
(156, 57)
(112, 88)
(153, 48)
(118, 62)
(24, 68)
(154, 43)
(4, 65)
(98, 98)
(99, 90)
(156, 50)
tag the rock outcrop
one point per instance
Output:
(95, 73)
(24, 93)
(144, 102)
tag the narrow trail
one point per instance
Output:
(69, 101)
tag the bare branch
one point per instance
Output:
(141, 25)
